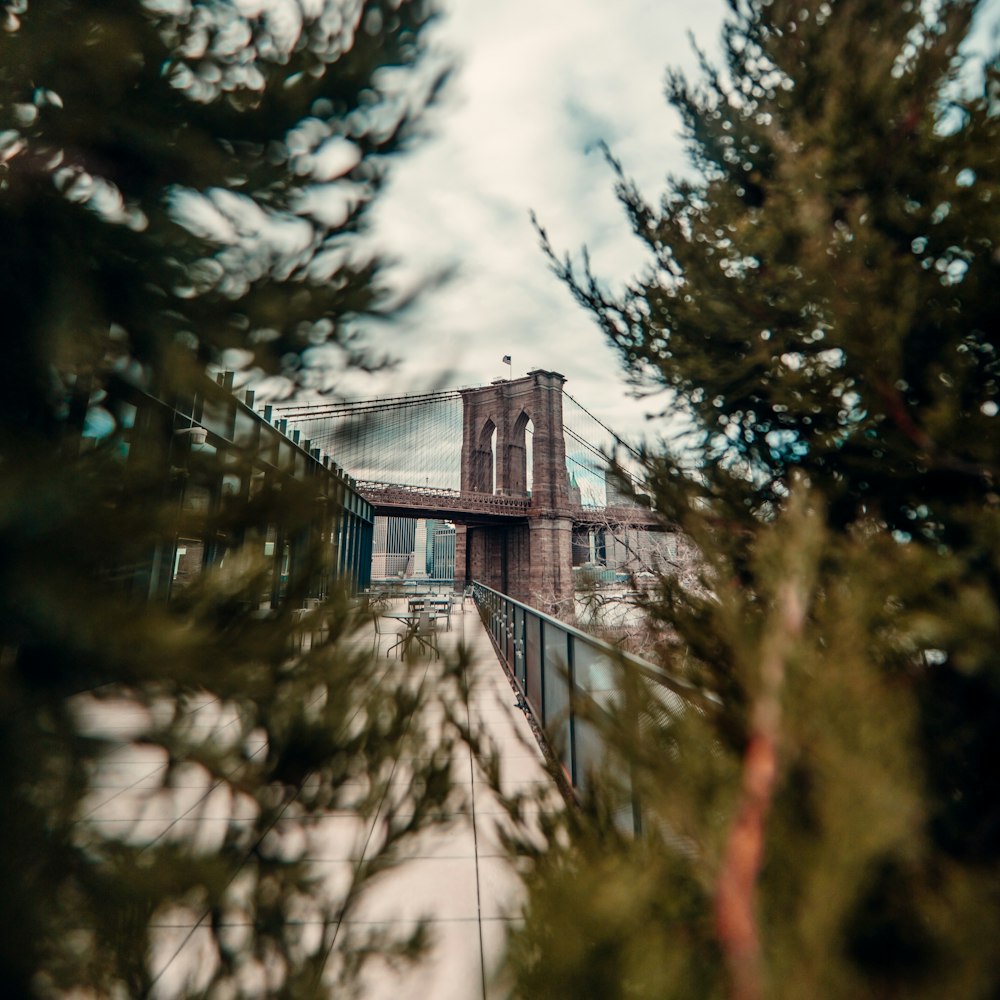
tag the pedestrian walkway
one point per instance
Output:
(454, 874)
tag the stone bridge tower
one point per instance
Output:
(533, 562)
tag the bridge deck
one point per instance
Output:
(455, 873)
(390, 499)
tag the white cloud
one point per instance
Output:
(538, 86)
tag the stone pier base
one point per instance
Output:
(531, 563)
(550, 568)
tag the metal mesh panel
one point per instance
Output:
(416, 441)
(403, 440)
(591, 448)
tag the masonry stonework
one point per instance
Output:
(532, 563)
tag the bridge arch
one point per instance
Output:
(515, 507)
(531, 561)
(483, 459)
(519, 471)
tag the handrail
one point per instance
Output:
(681, 687)
(556, 667)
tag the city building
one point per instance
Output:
(443, 552)
(392, 547)
(412, 548)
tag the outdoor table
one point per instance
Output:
(374, 599)
(436, 602)
(412, 622)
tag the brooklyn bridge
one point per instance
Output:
(518, 466)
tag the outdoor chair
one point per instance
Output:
(379, 601)
(425, 633)
(382, 629)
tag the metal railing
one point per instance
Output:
(412, 497)
(570, 681)
(431, 498)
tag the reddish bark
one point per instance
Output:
(735, 920)
(735, 898)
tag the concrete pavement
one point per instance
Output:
(455, 874)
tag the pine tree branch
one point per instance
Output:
(735, 916)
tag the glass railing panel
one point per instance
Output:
(499, 624)
(595, 682)
(519, 646)
(508, 646)
(533, 662)
(554, 668)
(589, 752)
(540, 649)
(555, 679)
(596, 673)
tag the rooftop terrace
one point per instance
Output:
(455, 873)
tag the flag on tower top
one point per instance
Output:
(505, 360)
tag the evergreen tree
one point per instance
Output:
(825, 820)
(180, 179)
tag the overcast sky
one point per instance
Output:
(538, 84)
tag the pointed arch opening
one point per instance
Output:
(484, 461)
(529, 456)
(520, 455)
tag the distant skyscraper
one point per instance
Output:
(420, 549)
(407, 547)
(432, 526)
(444, 552)
(392, 546)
